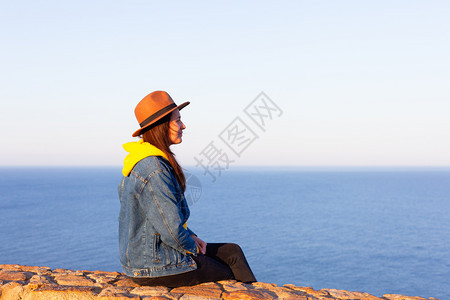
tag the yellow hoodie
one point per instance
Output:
(137, 151)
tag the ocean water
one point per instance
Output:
(372, 230)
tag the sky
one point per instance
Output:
(336, 83)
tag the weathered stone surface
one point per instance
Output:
(115, 293)
(308, 291)
(342, 294)
(286, 293)
(73, 280)
(61, 292)
(11, 267)
(37, 270)
(263, 285)
(402, 297)
(11, 291)
(65, 271)
(150, 290)
(104, 273)
(118, 297)
(13, 276)
(106, 277)
(194, 292)
(41, 279)
(232, 285)
(39, 283)
(248, 295)
(125, 281)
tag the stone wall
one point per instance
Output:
(25, 282)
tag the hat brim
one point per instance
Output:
(179, 107)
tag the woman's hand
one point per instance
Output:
(201, 245)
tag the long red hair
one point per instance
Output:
(158, 136)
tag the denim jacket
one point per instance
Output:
(152, 239)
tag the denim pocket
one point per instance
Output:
(155, 247)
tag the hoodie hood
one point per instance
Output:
(137, 151)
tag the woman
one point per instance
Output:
(156, 246)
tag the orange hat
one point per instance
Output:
(153, 107)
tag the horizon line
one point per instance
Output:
(253, 166)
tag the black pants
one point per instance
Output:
(221, 262)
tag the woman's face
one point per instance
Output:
(176, 127)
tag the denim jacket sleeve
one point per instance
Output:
(164, 210)
(191, 232)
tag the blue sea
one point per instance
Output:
(373, 230)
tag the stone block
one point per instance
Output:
(12, 291)
(156, 298)
(247, 295)
(34, 269)
(61, 292)
(150, 290)
(14, 275)
(126, 281)
(342, 294)
(73, 280)
(263, 285)
(231, 286)
(10, 267)
(309, 291)
(102, 278)
(205, 291)
(288, 294)
(116, 293)
(401, 297)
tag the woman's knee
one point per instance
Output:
(233, 248)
